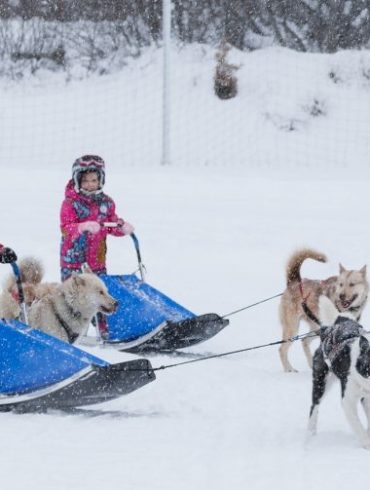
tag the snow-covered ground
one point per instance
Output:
(216, 228)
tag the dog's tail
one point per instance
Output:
(293, 270)
(31, 269)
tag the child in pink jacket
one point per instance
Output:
(85, 210)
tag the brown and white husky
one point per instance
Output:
(348, 291)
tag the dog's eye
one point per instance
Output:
(351, 284)
(101, 292)
(341, 284)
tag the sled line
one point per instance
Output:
(253, 304)
(229, 353)
(313, 333)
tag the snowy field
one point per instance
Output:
(216, 228)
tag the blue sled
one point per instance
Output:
(147, 320)
(38, 372)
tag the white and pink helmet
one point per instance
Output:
(88, 163)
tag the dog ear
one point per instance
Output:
(341, 268)
(78, 280)
(363, 270)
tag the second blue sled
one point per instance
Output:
(148, 320)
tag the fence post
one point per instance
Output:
(166, 29)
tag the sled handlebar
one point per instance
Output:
(112, 224)
(18, 280)
(8, 256)
(138, 254)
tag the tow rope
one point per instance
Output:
(253, 304)
(313, 333)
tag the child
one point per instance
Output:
(84, 211)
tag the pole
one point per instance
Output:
(166, 29)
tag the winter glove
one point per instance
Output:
(126, 227)
(7, 255)
(90, 226)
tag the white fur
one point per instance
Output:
(84, 294)
(50, 305)
(357, 390)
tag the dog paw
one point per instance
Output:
(366, 444)
(311, 428)
(291, 370)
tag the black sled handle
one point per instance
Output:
(8, 256)
(138, 254)
(142, 269)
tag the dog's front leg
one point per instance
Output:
(283, 351)
(320, 372)
(350, 401)
(366, 405)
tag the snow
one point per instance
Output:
(216, 228)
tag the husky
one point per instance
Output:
(348, 291)
(31, 275)
(344, 351)
(63, 310)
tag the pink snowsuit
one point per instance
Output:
(78, 248)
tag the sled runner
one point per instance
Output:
(38, 372)
(148, 320)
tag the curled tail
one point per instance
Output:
(293, 270)
(31, 269)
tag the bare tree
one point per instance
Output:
(304, 25)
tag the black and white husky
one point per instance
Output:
(345, 352)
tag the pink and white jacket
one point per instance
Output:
(77, 248)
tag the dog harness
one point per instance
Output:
(71, 335)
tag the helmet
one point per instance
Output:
(88, 163)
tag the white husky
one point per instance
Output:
(64, 310)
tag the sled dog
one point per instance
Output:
(344, 351)
(31, 274)
(348, 291)
(64, 310)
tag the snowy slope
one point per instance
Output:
(216, 229)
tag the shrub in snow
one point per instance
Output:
(225, 82)
(315, 108)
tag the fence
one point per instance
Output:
(82, 86)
